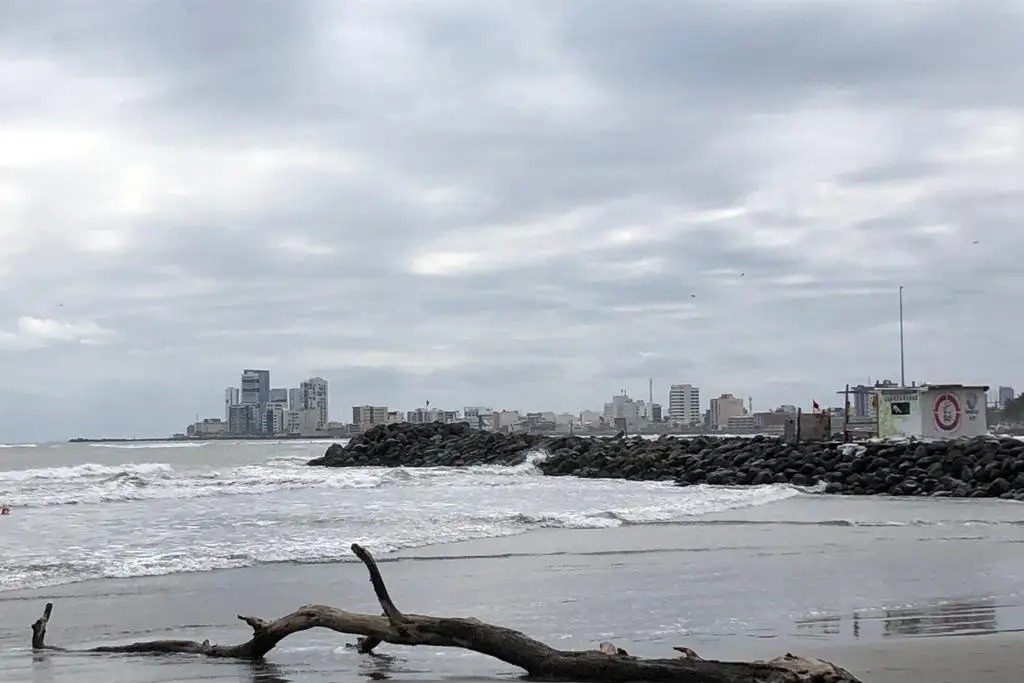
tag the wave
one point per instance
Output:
(312, 515)
(93, 483)
(425, 521)
(150, 445)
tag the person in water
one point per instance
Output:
(4, 510)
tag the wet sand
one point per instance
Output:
(997, 658)
(644, 588)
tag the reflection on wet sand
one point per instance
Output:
(958, 617)
(265, 672)
(946, 619)
(379, 666)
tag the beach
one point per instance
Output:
(644, 588)
(896, 590)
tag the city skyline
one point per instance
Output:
(257, 408)
(528, 204)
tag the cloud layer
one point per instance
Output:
(526, 205)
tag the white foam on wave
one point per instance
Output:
(681, 505)
(384, 509)
(93, 483)
(149, 445)
(431, 516)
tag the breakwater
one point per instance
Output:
(975, 468)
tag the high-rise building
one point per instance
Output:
(244, 419)
(684, 404)
(295, 399)
(231, 398)
(314, 397)
(255, 387)
(279, 397)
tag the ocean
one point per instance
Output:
(149, 540)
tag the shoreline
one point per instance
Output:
(570, 588)
(174, 439)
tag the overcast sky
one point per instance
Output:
(527, 205)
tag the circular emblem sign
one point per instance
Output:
(946, 412)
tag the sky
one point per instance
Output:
(525, 205)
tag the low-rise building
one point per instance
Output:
(932, 411)
(207, 428)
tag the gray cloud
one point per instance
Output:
(533, 205)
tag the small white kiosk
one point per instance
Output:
(932, 411)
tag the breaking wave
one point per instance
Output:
(94, 483)
(186, 513)
(74, 523)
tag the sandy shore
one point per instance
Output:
(995, 658)
(635, 586)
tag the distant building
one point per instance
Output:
(740, 424)
(773, 422)
(479, 417)
(278, 396)
(301, 422)
(244, 419)
(507, 420)
(274, 419)
(622, 407)
(421, 416)
(295, 399)
(684, 404)
(724, 408)
(207, 428)
(232, 397)
(861, 398)
(1006, 394)
(365, 417)
(255, 387)
(314, 394)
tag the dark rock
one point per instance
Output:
(983, 467)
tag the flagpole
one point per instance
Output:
(903, 370)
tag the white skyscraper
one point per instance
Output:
(314, 397)
(684, 404)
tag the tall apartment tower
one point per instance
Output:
(314, 397)
(684, 404)
(255, 387)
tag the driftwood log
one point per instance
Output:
(607, 664)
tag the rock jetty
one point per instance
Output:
(975, 468)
